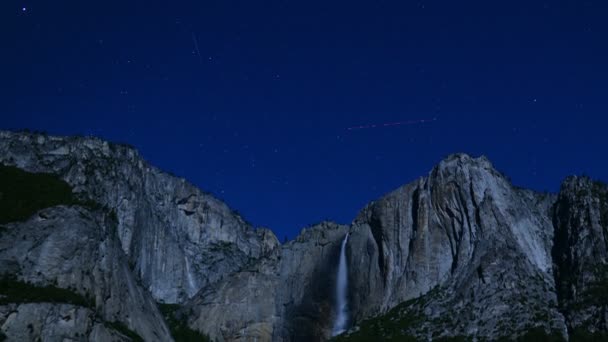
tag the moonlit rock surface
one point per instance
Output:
(285, 296)
(466, 232)
(74, 248)
(178, 238)
(463, 228)
(483, 258)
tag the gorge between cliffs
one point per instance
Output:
(117, 250)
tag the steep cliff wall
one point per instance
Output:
(460, 252)
(465, 232)
(287, 296)
(178, 238)
(76, 249)
(580, 255)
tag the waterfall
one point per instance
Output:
(341, 292)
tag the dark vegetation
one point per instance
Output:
(124, 330)
(24, 193)
(180, 330)
(583, 335)
(392, 326)
(538, 334)
(400, 322)
(16, 291)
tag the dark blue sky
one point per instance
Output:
(252, 100)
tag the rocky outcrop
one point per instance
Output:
(467, 232)
(580, 255)
(77, 249)
(178, 238)
(286, 296)
(54, 322)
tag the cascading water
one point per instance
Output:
(341, 292)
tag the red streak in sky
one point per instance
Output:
(390, 124)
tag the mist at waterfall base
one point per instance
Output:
(341, 292)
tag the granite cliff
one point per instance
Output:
(177, 237)
(460, 253)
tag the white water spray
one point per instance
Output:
(341, 292)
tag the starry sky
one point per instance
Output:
(253, 100)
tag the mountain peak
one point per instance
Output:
(465, 161)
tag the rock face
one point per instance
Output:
(465, 231)
(286, 296)
(178, 238)
(461, 252)
(580, 254)
(54, 322)
(77, 249)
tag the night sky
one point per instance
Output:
(252, 100)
